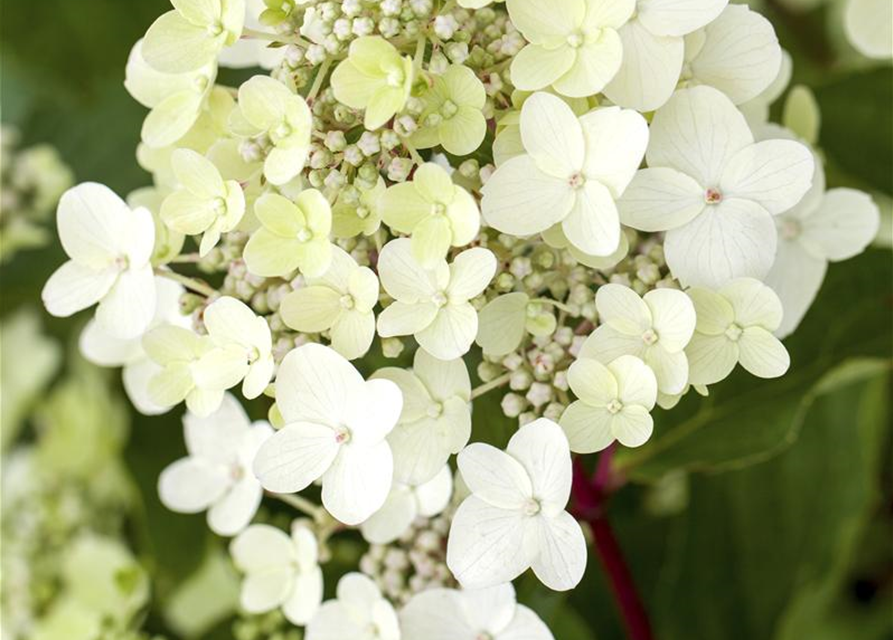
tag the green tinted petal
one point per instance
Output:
(311, 309)
(316, 210)
(269, 255)
(353, 87)
(264, 101)
(197, 174)
(403, 207)
(434, 183)
(464, 87)
(186, 213)
(279, 215)
(174, 45)
(382, 106)
(464, 217)
(464, 132)
(431, 240)
(171, 119)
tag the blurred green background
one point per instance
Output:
(763, 512)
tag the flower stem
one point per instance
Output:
(557, 305)
(419, 160)
(189, 283)
(301, 504)
(590, 496)
(321, 74)
(253, 34)
(489, 386)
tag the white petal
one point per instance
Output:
(312, 383)
(190, 485)
(434, 495)
(843, 225)
(495, 477)
(230, 320)
(105, 350)
(452, 332)
(735, 239)
(233, 512)
(535, 66)
(372, 411)
(295, 456)
(92, 223)
(678, 17)
(305, 598)
(404, 319)
(403, 277)
(622, 309)
(265, 591)
(740, 55)
(697, 132)
(501, 324)
(219, 436)
(796, 278)
(660, 199)
(333, 622)
(606, 344)
(633, 426)
(443, 379)
(869, 27)
(353, 333)
(762, 354)
(650, 69)
(470, 273)
(261, 547)
(588, 429)
(710, 358)
(774, 173)
(435, 614)
(422, 447)
(754, 303)
(561, 558)
(636, 382)
(128, 308)
(526, 625)
(593, 224)
(592, 382)
(542, 448)
(74, 287)
(393, 519)
(546, 19)
(136, 377)
(616, 140)
(596, 64)
(358, 482)
(673, 317)
(487, 546)
(671, 369)
(522, 200)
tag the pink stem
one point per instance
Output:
(590, 496)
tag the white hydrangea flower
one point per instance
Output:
(868, 25)
(176, 100)
(715, 201)
(191, 36)
(281, 571)
(204, 203)
(436, 417)
(433, 305)
(292, 235)
(738, 53)
(655, 328)
(101, 348)
(110, 248)
(756, 110)
(335, 430)
(359, 613)
(572, 173)
(180, 375)
(216, 475)
(252, 52)
(574, 45)
(405, 503)
(735, 325)
(453, 116)
(243, 347)
(438, 213)
(826, 226)
(653, 50)
(615, 403)
(515, 517)
(340, 301)
(266, 106)
(448, 614)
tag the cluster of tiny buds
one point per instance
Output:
(265, 626)
(413, 563)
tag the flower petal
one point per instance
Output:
(312, 383)
(358, 482)
(710, 358)
(597, 62)
(295, 456)
(552, 135)
(762, 354)
(593, 224)
(561, 558)
(542, 448)
(616, 140)
(774, 173)
(451, 333)
(588, 429)
(191, 485)
(497, 478)
(659, 199)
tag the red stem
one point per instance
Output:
(590, 496)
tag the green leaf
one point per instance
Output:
(746, 420)
(759, 549)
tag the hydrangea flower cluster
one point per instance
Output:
(585, 198)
